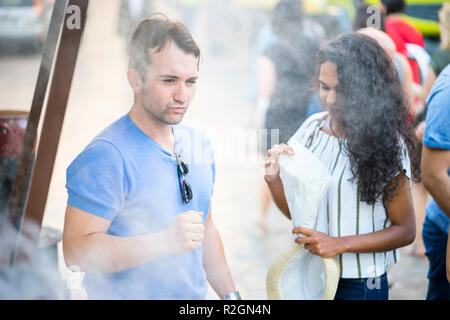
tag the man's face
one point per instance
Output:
(170, 84)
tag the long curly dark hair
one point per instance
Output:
(372, 110)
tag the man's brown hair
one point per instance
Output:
(155, 32)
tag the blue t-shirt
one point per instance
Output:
(125, 176)
(437, 134)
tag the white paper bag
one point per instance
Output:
(305, 180)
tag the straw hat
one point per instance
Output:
(296, 274)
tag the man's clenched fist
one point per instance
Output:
(185, 233)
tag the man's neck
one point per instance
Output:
(160, 132)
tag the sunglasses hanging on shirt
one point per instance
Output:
(185, 188)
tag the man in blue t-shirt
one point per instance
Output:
(435, 172)
(138, 218)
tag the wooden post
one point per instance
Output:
(31, 220)
(18, 191)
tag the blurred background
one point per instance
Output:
(231, 34)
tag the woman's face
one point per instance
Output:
(328, 80)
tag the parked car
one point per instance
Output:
(24, 23)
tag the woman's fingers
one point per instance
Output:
(278, 149)
(305, 240)
(272, 166)
(304, 231)
(287, 149)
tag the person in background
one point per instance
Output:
(402, 32)
(131, 12)
(362, 19)
(440, 58)
(436, 178)
(189, 12)
(286, 71)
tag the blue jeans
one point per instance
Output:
(363, 289)
(435, 241)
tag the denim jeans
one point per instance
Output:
(435, 241)
(363, 289)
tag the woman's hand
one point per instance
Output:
(320, 243)
(272, 165)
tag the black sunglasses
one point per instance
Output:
(185, 188)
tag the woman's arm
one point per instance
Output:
(272, 176)
(401, 232)
(277, 192)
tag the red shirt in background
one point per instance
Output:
(401, 32)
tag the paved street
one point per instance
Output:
(222, 107)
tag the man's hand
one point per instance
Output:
(185, 233)
(319, 243)
(272, 165)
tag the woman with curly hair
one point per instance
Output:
(365, 141)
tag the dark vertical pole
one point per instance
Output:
(18, 191)
(73, 27)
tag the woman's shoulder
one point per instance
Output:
(315, 117)
(309, 124)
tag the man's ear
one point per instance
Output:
(135, 81)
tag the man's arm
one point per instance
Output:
(435, 164)
(214, 261)
(86, 244)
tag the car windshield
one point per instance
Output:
(15, 3)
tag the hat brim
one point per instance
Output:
(274, 274)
